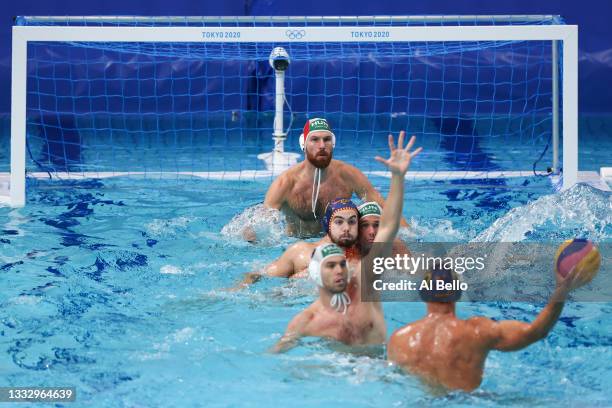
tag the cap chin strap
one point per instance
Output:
(316, 179)
(340, 302)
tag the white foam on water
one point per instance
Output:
(161, 350)
(432, 230)
(350, 366)
(268, 225)
(240, 294)
(172, 270)
(580, 211)
(168, 228)
(182, 335)
(26, 300)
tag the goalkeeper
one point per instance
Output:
(303, 191)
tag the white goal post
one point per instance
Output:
(22, 35)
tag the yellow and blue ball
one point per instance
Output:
(581, 255)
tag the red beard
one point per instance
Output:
(320, 161)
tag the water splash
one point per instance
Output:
(160, 228)
(430, 230)
(172, 270)
(267, 224)
(163, 349)
(581, 211)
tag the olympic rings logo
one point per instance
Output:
(295, 34)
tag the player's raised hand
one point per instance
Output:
(400, 156)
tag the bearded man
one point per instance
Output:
(303, 191)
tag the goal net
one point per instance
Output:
(95, 97)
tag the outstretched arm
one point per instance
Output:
(287, 342)
(366, 191)
(398, 164)
(275, 198)
(511, 335)
(282, 267)
(514, 335)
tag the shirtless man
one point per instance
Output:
(369, 221)
(341, 225)
(339, 313)
(340, 222)
(303, 191)
(449, 353)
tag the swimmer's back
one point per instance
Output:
(443, 350)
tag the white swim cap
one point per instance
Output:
(315, 125)
(339, 301)
(370, 208)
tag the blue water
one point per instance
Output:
(234, 145)
(114, 288)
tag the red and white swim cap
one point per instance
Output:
(316, 125)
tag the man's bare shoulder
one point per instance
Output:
(480, 322)
(399, 348)
(483, 328)
(293, 170)
(351, 174)
(302, 246)
(404, 331)
(288, 177)
(281, 187)
(301, 323)
(345, 168)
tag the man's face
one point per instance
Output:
(334, 274)
(319, 149)
(343, 228)
(368, 228)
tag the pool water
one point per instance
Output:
(116, 288)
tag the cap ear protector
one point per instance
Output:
(315, 125)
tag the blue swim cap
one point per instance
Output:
(336, 205)
(435, 295)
